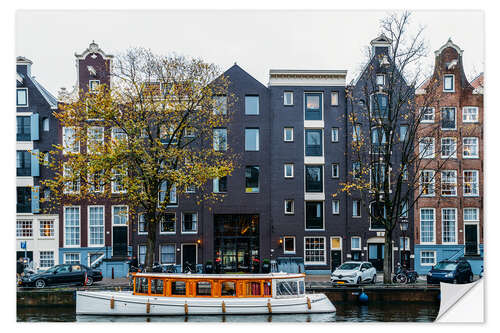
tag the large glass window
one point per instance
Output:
(23, 204)
(471, 182)
(314, 250)
(71, 226)
(379, 108)
(379, 140)
(427, 220)
(23, 132)
(314, 215)
(428, 258)
(314, 178)
(70, 143)
(470, 114)
(449, 182)
(427, 115)
(172, 195)
(252, 105)
(95, 139)
(251, 139)
(96, 225)
(46, 259)
(72, 258)
(313, 106)
(252, 179)
(220, 139)
(448, 119)
(449, 218)
(167, 223)
(220, 106)
(220, 184)
(22, 97)
(427, 181)
(117, 185)
(378, 215)
(314, 142)
(47, 228)
(189, 222)
(471, 148)
(167, 254)
(448, 147)
(23, 163)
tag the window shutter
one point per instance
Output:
(35, 199)
(35, 165)
(34, 126)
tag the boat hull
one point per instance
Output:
(124, 303)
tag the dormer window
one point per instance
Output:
(449, 83)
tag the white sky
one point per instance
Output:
(256, 40)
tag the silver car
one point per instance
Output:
(354, 272)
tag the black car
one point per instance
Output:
(62, 274)
(451, 271)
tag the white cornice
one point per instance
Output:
(282, 77)
(449, 43)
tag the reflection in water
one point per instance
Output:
(393, 311)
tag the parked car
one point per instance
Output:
(451, 271)
(62, 274)
(354, 272)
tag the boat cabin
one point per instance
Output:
(275, 285)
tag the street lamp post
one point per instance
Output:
(403, 224)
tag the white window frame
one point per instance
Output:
(52, 229)
(433, 225)
(69, 186)
(217, 144)
(354, 211)
(118, 134)
(477, 214)
(196, 223)
(139, 232)
(27, 101)
(98, 141)
(258, 105)
(445, 76)
(424, 147)
(449, 183)
(476, 146)
(455, 226)
(356, 248)
(293, 207)
(175, 253)
(93, 88)
(45, 124)
(291, 98)
(427, 264)
(113, 215)
(285, 170)
(378, 81)
(464, 114)
(441, 120)
(324, 251)
(335, 166)
(51, 258)
(257, 143)
(335, 137)
(422, 117)
(215, 184)
(432, 183)
(79, 226)
(100, 187)
(24, 223)
(294, 245)
(335, 202)
(103, 226)
(336, 94)
(454, 153)
(476, 172)
(77, 254)
(168, 232)
(70, 147)
(114, 184)
(284, 134)
(139, 253)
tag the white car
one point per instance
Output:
(354, 272)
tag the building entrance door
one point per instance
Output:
(471, 241)
(335, 259)
(376, 256)
(120, 241)
(189, 257)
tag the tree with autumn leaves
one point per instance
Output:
(146, 138)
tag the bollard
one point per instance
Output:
(112, 273)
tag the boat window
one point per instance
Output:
(157, 286)
(178, 288)
(253, 289)
(228, 289)
(141, 285)
(203, 288)
(286, 288)
(301, 287)
(267, 288)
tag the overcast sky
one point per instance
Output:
(256, 40)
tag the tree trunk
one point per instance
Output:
(151, 243)
(388, 257)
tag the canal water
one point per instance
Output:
(351, 312)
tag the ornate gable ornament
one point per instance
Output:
(93, 49)
(449, 43)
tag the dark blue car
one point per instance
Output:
(451, 271)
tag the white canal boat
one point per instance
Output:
(204, 294)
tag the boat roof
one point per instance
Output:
(223, 276)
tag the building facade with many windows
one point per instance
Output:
(449, 213)
(37, 230)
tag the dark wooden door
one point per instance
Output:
(189, 255)
(335, 259)
(471, 239)
(376, 256)
(120, 241)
